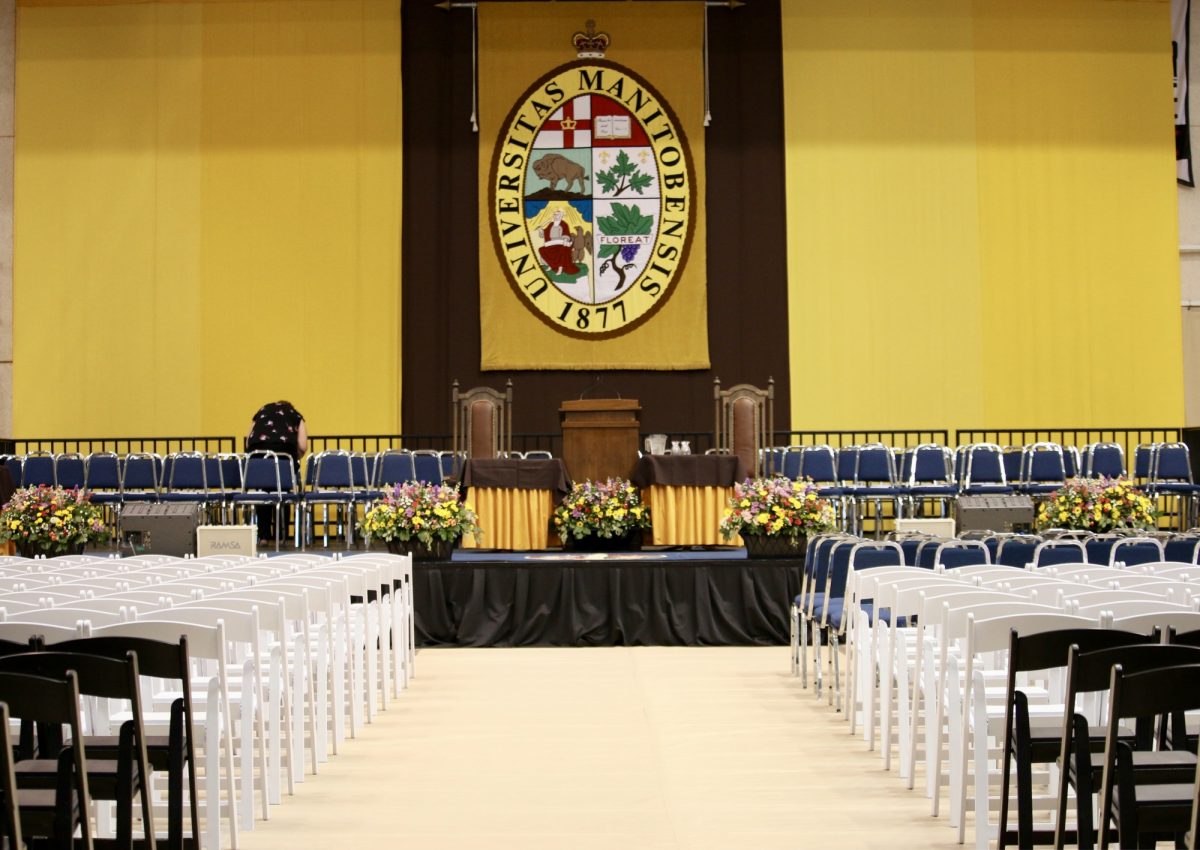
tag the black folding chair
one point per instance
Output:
(118, 776)
(1024, 747)
(1145, 808)
(173, 752)
(1090, 673)
(52, 813)
(10, 814)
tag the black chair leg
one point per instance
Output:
(1024, 770)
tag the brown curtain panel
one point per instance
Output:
(747, 233)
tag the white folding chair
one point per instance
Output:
(244, 687)
(207, 655)
(974, 719)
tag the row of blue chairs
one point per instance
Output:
(231, 485)
(152, 476)
(980, 468)
(907, 478)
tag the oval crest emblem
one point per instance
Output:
(591, 199)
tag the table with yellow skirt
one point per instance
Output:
(514, 500)
(687, 495)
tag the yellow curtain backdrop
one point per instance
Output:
(981, 214)
(518, 43)
(207, 215)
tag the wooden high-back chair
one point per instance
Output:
(482, 421)
(745, 421)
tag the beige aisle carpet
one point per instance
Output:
(604, 748)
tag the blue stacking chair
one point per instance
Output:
(329, 481)
(70, 470)
(1014, 463)
(836, 563)
(931, 476)
(812, 591)
(909, 543)
(983, 471)
(102, 478)
(1043, 469)
(847, 463)
(1071, 461)
(362, 475)
(848, 555)
(185, 478)
(791, 463)
(821, 464)
(427, 466)
(800, 605)
(875, 482)
(927, 550)
(1144, 460)
(868, 555)
(1132, 551)
(1017, 550)
(952, 554)
(452, 464)
(141, 477)
(1103, 460)
(394, 466)
(1099, 548)
(865, 556)
(994, 539)
(536, 454)
(1172, 476)
(1181, 548)
(268, 478)
(229, 473)
(38, 470)
(1059, 551)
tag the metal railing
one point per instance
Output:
(1128, 438)
(372, 443)
(837, 439)
(700, 441)
(125, 445)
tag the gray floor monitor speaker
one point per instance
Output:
(994, 513)
(161, 529)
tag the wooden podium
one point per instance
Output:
(600, 437)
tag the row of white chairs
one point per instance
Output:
(930, 690)
(288, 653)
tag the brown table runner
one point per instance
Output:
(517, 474)
(689, 470)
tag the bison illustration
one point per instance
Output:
(554, 167)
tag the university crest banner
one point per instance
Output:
(591, 162)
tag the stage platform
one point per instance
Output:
(712, 597)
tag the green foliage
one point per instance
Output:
(624, 221)
(625, 174)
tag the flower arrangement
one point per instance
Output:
(1099, 505)
(776, 507)
(51, 520)
(610, 508)
(422, 512)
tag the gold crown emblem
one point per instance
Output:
(569, 123)
(590, 44)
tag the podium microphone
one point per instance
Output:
(595, 383)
